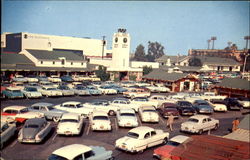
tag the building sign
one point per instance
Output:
(34, 37)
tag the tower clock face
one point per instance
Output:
(125, 40)
(116, 40)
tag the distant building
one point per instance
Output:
(171, 60)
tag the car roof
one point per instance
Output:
(15, 107)
(70, 151)
(179, 138)
(49, 86)
(125, 99)
(38, 121)
(127, 110)
(70, 115)
(71, 102)
(12, 88)
(199, 116)
(42, 104)
(147, 107)
(141, 129)
(99, 113)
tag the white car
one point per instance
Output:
(31, 92)
(81, 91)
(140, 138)
(211, 95)
(104, 106)
(32, 79)
(127, 118)
(54, 78)
(70, 124)
(218, 105)
(158, 98)
(50, 91)
(136, 92)
(66, 91)
(155, 88)
(107, 90)
(19, 78)
(245, 102)
(75, 107)
(124, 103)
(148, 114)
(18, 85)
(99, 121)
(199, 124)
(143, 101)
(81, 152)
(8, 130)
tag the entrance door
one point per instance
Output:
(186, 86)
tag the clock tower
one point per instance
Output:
(121, 49)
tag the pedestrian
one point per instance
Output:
(235, 123)
(170, 122)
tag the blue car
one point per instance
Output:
(93, 90)
(119, 89)
(12, 93)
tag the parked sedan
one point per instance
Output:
(218, 105)
(11, 92)
(31, 92)
(93, 90)
(124, 103)
(8, 130)
(80, 151)
(81, 90)
(20, 113)
(50, 91)
(67, 79)
(66, 91)
(233, 104)
(140, 138)
(245, 102)
(185, 108)
(199, 124)
(99, 121)
(34, 130)
(70, 124)
(168, 108)
(107, 90)
(143, 101)
(127, 118)
(19, 78)
(48, 110)
(202, 106)
(148, 114)
(164, 152)
(104, 106)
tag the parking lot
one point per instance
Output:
(15, 150)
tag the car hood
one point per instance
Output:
(164, 151)
(30, 133)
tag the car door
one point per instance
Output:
(154, 139)
(210, 123)
(205, 124)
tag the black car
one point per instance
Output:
(67, 79)
(233, 104)
(185, 108)
(202, 106)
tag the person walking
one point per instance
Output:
(170, 122)
(235, 123)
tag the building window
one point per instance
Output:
(63, 61)
(41, 62)
(25, 36)
(53, 62)
(82, 63)
(49, 44)
(125, 40)
(116, 40)
(71, 63)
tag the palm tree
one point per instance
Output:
(208, 41)
(213, 39)
(247, 38)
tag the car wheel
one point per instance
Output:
(111, 113)
(200, 131)
(165, 140)
(216, 126)
(56, 119)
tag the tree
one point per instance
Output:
(102, 73)
(155, 50)
(194, 61)
(147, 70)
(140, 53)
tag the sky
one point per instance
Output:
(177, 25)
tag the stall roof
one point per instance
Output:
(234, 83)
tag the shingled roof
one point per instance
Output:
(217, 60)
(159, 74)
(234, 83)
(173, 59)
(55, 55)
(14, 58)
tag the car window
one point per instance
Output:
(4, 127)
(9, 111)
(155, 98)
(43, 108)
(209, 119)
(153, 133)
(147, 135)
(115, 101)
(133, 135)
(122, 102)
(79, 157)
(204, 120)
(88, 154)
(25, 110)
(35, 107)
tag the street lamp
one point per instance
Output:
(213, 39)
(103, 44)
(247, 38)
(244, 67)
(208, 41)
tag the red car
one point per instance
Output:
(169, 108)
(165, 151)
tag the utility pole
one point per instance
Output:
(103, 44)
(208, 41)
(247, 38)
(213, 39)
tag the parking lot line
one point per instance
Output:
(88, 129)
(161, 119)
(54, 137)
(116, 125)
(13, 144)
(139, 120)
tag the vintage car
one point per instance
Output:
(19, 78)
(103, 105)
(169, 108)
(218, 105)
(127, 118)
(233, 104)
(42, 78)
(211, 95)
(148, 114)
(81, 90)
(199, 124)
(66, 91)
(32, 78)
(185, 108)
(140, 138)
(12, 92)
(67, 79)
(106, 89)
(31, 92)
(46, 83)
(245, 102)
(20, 113)
(158, 98)
(81, 152)
(50, 91)
(118, 88)
(164, 152)
(202, 106)
(143, 101)
(75, 107)
(155, 88)
(34, 130)
(8, 130)
(48, 110)
(124, 103)
(93, 90)
(136, 92)
(54, 78)
(99, 121)
(70, 124)
(18, 85)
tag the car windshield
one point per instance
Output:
(173, 143)
(56, 157)
(193, 120)
(69, 120)
(50, 108)
(79, 105)
(31, 126)
(128, 114)
(149, 110)
(133, 135)
(50, 89)
(31, 89)
(64, 87)
(100, 118)
(25, 110)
